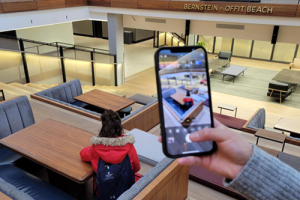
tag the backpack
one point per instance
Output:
(114, 179)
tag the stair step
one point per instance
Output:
(36, 86)
(25, 87)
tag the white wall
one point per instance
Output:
(287, 34)
(51, 33)
(171, 25)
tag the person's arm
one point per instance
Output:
(134, 159)
(85, 153)
(266, 177)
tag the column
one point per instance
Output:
(116, 43)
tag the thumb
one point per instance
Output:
(219, 134)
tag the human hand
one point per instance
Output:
(232, 154)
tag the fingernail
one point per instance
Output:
(194, 136)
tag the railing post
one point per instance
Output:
(63, 70)
(21, 44)
(93, 68)
(116, 68)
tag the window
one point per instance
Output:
(262, 50)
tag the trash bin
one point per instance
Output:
(128, 37)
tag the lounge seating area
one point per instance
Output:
(16, 114)
(64, 95)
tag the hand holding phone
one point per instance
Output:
(228, 160)
(184, 99)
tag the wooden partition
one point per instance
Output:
(172, 183)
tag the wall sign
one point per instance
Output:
(229, 8)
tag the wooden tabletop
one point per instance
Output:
(105, 100)
(288, 125)
(54, 145)
(272, 152)
(3, 196)
(288, 76)
(274, 136)
(227, 107)
(178, 97)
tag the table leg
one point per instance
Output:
(168, 81)
(223, 77)
(283, 146)
(220, 110)
(3, 95)
(257, 140)
(235, 112)
(233, 79)
(78, 191)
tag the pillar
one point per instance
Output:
(116, 43)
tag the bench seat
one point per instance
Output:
(30, 185)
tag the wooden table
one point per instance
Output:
(270, 135)
(105, 100)
(56, 146)
(288, 125)
(178, 97)
(4, 197)
(288, 76)
(227, 107)
(3, 97)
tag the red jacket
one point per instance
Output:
(111, 150)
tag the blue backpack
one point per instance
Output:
(114, 179)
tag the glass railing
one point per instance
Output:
(11, 67)
(44, 69)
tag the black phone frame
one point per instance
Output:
(160, 103)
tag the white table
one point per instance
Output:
(227, 107)
(234, 71)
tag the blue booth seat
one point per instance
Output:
(15, 115)
(30, 185)
(65, 94)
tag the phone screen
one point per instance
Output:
(185, 93)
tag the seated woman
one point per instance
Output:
(110, 146)
(188, 101)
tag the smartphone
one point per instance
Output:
(184, 98)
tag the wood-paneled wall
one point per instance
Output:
(10, 6)
(283, 10)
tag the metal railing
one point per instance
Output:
(63, 51)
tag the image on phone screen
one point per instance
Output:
(185, 99)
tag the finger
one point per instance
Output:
(159, 139)
(191, 160)
(212, 134)
(217, 123)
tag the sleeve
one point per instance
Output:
(266, 177)
(134, 159)
(85, 153)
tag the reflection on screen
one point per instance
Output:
(185, 99)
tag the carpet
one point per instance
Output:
(253, 85)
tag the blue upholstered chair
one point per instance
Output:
(15, 115)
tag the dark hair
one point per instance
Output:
(111, 124)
